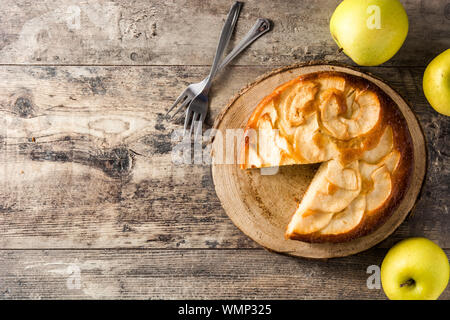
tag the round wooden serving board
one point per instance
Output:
(262, 205)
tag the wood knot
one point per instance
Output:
(117, 162)
(24, 107)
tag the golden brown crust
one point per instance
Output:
(390, 116)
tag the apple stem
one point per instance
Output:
(409, 282)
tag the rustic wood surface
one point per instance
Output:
(86, 178)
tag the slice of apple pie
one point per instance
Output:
(358, 134)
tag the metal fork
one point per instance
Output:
(194, 89)
(259, 28)
(198, 107)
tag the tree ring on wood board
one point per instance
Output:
(265, 221)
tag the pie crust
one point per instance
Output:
(355, 131)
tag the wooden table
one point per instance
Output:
(91, 205)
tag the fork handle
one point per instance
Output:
(225, 37)
(259, 28)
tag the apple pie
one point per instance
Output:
(355, 131)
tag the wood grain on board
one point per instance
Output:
(86, 160)
(186, 274)
(186, 32)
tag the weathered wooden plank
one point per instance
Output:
(65, 173)
(185, 32)
(85, 160)
(184, 274)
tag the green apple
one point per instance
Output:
(436, 83)
(370, 32)
(415, 269)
